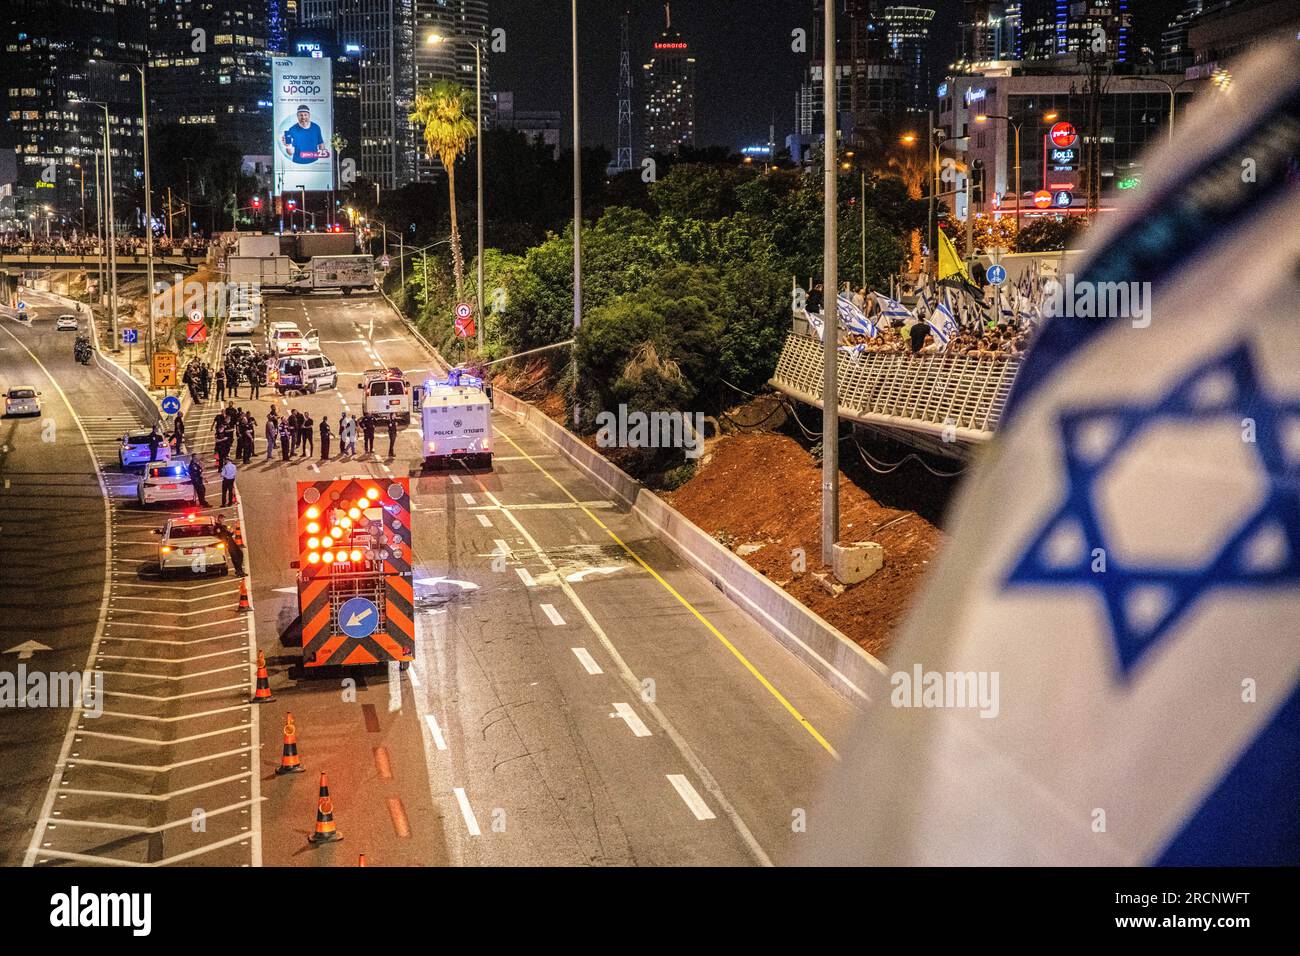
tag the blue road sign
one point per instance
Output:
(130, 336)
(358, 617)
(997, 275)
(171, 405)
(22, 306)
(1062, 198)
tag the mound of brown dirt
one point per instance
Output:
(762, 489)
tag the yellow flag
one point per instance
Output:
(950, 263)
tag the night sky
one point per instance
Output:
(745, 70)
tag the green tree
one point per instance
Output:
(443, 108)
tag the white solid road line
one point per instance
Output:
(56, 777)
(690, 797)
(467, 812)
(553, 614)
(625, 713)
(526, 577)
(587, 660)
(439, 740)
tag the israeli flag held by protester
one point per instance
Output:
(817, 325)
(853, 318)
(942, 324)
(1122, 576)
(892, 309)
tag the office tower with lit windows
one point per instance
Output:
(216, 82)
(57, 55)
(907, 31)
(669, 91)
(452, 58)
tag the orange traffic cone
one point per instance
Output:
(289, 762)
(239, 533)
(244, 603)
(362, 860)
(263, 691)
(325, 830)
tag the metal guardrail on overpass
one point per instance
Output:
(956, 399)
(125, 261)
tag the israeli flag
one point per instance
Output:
(1103, 666)
(854, 319)
(817, 325)
(891, 308)
(942, 324)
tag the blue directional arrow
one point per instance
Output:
(358, 617)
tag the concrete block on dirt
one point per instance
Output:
(856, 561)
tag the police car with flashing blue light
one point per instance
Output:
(164, 482)
(134, 450)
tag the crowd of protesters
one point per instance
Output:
(294, 435)
(16, 243)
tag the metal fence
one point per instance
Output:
(962, 394)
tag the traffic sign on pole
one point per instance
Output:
(130, 336)
(171, 405)
(996, 274)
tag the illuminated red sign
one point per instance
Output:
(670, 46)
(1042, 199)
(1062, 135)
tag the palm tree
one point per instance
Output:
(443, 108)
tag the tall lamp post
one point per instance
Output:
(577, 210)
(984, 118)
(478, 157)
(148, 218)
(830, 304)
(111, 235)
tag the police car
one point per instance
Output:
(22, 400)
(166, 481)
(134, 450)
(191, 544)
(65, 323)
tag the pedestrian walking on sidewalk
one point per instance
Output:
(228, 472)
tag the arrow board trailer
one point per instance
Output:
(456, 420)
(355, 597)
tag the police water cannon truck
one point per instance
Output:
(456, 418)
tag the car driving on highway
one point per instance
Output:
(165, 481)
(22, 400)
(191, 544)
(65, 323)
(134, 450)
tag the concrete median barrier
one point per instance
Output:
(842, 664)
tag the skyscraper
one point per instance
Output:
(669, 92)
(907, 30)
(57, 56)
(456, 21)
(384, 33)
(217, 81)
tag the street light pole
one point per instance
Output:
(478, 99)
(577, 210)
(931, 158)
(830, 304)
(148, 220)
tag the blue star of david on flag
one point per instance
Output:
(1144, 600)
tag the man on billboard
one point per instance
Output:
(303, 142)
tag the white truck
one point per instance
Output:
(335, 272)
(456, 419)
(321, 272)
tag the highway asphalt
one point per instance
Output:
(579, 696)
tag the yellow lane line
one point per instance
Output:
(794, 711)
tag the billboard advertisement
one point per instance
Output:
(303, 123)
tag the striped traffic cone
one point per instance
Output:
(244, 603)
(289, 762)
(362, 860)
(239, 533)
(325, 830)
(263, 691)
